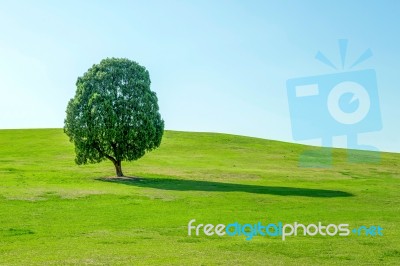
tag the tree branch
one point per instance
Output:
(105, 155)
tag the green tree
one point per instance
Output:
(114, 114)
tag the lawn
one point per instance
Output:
(53, 212)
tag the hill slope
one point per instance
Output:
(55, 212)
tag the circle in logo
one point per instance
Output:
(359, 94)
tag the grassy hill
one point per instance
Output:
(57, 213)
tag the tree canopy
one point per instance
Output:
(114, 114)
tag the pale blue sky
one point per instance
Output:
(218, 66)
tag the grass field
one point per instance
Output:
(53, 212)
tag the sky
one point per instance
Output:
(216, 66)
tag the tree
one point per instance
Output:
(114, 114)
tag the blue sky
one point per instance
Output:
(218, 66)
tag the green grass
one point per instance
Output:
(53, 212)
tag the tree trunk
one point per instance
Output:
(118, 168)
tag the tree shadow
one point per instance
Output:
(197, 185)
